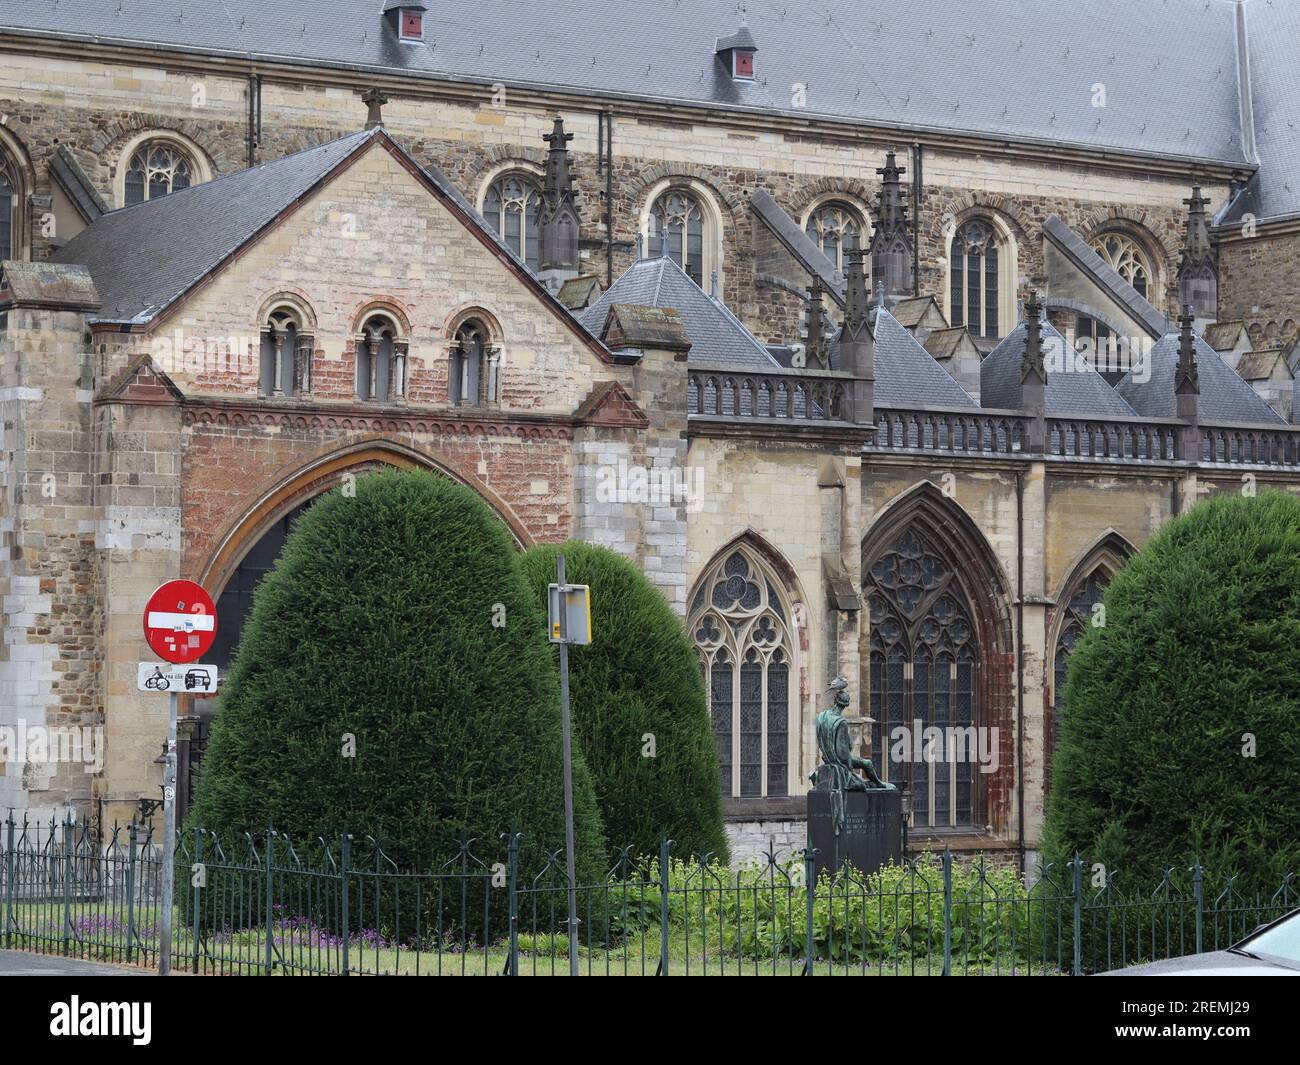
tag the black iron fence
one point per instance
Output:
(273, 905)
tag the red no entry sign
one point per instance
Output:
(180, 622)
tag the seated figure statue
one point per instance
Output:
(836, 773)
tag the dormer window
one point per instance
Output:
(737, 54)
(407, 19)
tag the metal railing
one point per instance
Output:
(270, 905)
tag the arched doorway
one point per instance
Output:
(236, 599)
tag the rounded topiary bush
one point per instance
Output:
(1180, 730)
(638, 678)
(397, 614)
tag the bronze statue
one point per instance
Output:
(836, 773)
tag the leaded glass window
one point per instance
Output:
(975, 292)
(513, 207)
(1125, 256)
(924, 662)
(1080, 613)
(156, 169)
(676, 216)
(10, 202)
(746, 649)
(835, 228)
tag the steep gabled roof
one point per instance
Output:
(907, 377)
(1224, 336)
(1225, 397)
(149, 256)
(144, 258)
(1073, 386)
(1263, 365)
(717, 336)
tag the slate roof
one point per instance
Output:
(717, 336)
(1225, 397)
(1104, 275)
(144, 257)
(1009, 69)
(1272, 30)
(1080, 391)
(907, 377)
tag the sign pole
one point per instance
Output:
(169, 845)
(568, 769)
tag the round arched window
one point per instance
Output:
(513, 207)
(835, 228)
(156, 168)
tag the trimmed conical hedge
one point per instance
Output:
(398, 615)
(639, 678)
(1180, 731)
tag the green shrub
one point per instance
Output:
(639, 677)
(377, 623)
(1196, 662)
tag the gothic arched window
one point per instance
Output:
(513, 207)
(1081, 610)
(156, 168)
(381, 360)
(676, 214)
(11, 203)
(472, 374)
(739, 624)
(835, 228)
(285, 367)
(924, 661)
(976, 265)
(1126, 257)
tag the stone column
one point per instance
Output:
(48, 591)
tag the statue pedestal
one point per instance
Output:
(872, 832)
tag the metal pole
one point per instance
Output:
(169, 846)
(568, 766)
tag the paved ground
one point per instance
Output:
(20, 963)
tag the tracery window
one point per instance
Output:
(1081, 612)
(513, 207)
(976, 266)
(739, 623)
(286, 355)
(156, 169)
(381, 360)
(924, 664)
(11, 204)
(677, 218)
(835, 228)
(1125, 256)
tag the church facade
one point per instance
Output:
(878, 344)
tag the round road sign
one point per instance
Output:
(180, 622)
